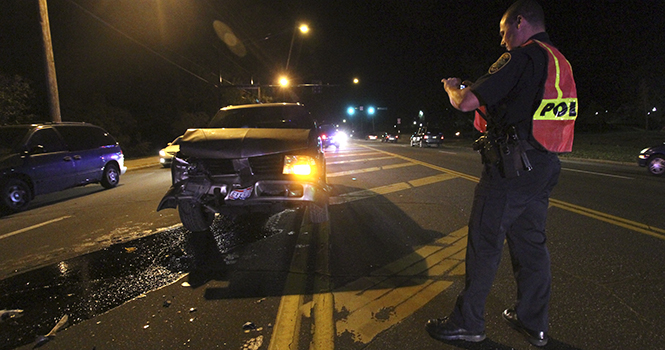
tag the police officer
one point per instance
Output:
(527, 111)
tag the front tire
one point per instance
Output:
(16, 195)
(656, 165)
(111, 176)
(194, 217)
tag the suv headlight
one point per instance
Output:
(299, 165)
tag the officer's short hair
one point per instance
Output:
(529, 9)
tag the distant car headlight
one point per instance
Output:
(299, 165)
(340, 137)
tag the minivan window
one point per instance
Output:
(46, 138)
(11, 137)
(80, 138)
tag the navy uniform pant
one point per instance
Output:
(512, 210)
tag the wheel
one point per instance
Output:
(111, 176)
(656, 165)
(15, 195)
(194, 217)
(318, 213)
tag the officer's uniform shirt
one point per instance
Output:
(513, 87)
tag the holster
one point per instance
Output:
(505, 151)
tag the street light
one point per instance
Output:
(304, 29)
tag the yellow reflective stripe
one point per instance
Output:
(559, 93)
(557, 109)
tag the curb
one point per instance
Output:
(141, 163)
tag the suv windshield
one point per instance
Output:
(280, 117)
(10, 137)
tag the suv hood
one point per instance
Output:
(222, 143)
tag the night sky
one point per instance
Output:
(132, 50)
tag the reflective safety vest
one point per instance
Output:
(554, 119)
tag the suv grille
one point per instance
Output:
(219, 166)
(264, 165)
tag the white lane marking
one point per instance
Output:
(599, 174)
(34, 227)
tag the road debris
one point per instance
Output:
(253, 344)
(231, 259)
(248, 326)
(10, 314)
(43, 339)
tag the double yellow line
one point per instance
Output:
(611, 219)
(286, 333)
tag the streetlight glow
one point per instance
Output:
(304, 29)
(283, 81)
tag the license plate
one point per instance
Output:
(240, 194)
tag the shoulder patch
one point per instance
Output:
(500, 63)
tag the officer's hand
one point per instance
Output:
(451, 83)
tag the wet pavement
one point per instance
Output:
(89, 285)
(92, 284)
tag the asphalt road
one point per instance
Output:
(390, 257)
(85, 219)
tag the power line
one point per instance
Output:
(158, 54)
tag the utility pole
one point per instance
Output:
(49, 63)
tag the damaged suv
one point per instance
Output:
(249, 156)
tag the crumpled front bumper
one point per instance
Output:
(217, 195)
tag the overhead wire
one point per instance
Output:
(155, 52)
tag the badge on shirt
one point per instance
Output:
(500, 63)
